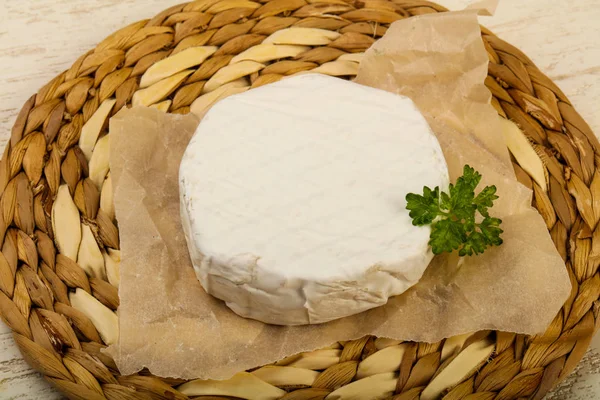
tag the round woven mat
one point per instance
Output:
(227, 51)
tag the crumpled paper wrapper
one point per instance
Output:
(171, 326)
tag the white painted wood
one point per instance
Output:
(40, 38)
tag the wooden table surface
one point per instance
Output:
(41, 38)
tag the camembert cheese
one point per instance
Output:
(293, 199)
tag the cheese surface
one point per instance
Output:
(293, 199)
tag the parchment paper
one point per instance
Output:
(171, 326)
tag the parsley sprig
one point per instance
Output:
(452, 215)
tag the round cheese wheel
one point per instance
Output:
(293, 199)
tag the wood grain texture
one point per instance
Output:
(41, 38)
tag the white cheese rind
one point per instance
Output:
(293, 199)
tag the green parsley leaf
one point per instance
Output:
(423, 209)
(490, 228)
(475, 244)
(446, 235)
(452, 215)
(485, 199)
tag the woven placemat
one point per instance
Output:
(223, 41)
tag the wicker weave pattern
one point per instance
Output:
(225, 47)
